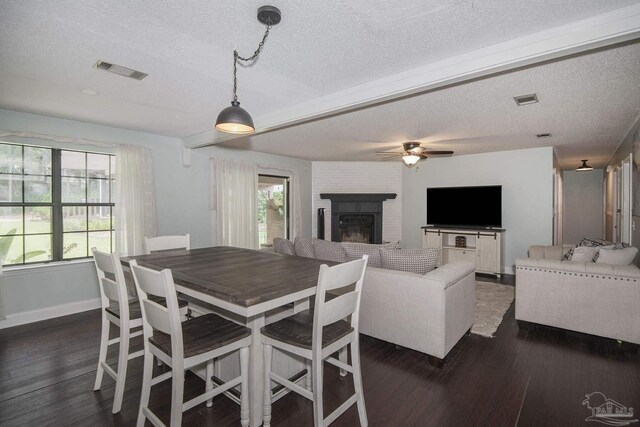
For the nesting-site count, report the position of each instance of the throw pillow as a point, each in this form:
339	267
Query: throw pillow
304	248
583	254
356	250
617	256
283	246
621	245
419	261
329	251
594	242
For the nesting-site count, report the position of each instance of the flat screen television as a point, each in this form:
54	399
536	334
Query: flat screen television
475	207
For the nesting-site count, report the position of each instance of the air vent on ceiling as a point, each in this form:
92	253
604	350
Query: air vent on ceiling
543	135
120	70
521	100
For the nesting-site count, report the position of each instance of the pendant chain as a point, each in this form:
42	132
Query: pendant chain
237	57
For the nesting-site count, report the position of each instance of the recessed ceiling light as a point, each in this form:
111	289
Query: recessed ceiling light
521	100
543	135
120	70
90	92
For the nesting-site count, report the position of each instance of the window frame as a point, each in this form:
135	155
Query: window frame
287	191
57	206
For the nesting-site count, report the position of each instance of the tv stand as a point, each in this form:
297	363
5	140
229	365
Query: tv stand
482	246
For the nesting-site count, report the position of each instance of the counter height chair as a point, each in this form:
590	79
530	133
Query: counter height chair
183	345
317	334
163	243
117	310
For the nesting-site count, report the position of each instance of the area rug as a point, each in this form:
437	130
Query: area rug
492	302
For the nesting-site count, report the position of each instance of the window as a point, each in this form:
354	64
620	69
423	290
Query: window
273	208
54	204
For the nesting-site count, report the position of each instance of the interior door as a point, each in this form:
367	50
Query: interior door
625	200
609	210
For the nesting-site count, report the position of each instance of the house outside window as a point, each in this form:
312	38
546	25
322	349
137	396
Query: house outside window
273	209
54	204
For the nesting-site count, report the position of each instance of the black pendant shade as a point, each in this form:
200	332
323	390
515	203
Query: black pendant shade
235	119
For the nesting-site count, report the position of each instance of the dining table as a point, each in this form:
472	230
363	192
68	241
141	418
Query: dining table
249	283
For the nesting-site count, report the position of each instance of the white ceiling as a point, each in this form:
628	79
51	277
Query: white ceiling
587	102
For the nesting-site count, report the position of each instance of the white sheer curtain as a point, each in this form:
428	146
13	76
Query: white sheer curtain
135	205
2	316
234	198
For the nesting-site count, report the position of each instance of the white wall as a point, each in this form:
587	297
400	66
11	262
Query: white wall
182	203
526	177
359	177
583	213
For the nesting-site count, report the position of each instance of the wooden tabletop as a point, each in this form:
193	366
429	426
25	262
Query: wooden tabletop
240	276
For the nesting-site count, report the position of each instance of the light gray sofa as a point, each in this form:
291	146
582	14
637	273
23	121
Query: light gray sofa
428	313
593	298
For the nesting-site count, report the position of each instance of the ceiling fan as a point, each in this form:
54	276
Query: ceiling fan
412	154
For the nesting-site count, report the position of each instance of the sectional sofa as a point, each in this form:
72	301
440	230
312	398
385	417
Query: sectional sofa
424	312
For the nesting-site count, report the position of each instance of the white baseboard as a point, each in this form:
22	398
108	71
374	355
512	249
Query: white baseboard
49	313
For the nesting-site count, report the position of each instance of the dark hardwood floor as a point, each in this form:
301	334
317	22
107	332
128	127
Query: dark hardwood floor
536	377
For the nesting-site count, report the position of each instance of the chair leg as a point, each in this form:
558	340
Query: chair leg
266	404
102	357
244	397
342	356
147	375
208	381
317	372
177	394
357	381
308	381
121	374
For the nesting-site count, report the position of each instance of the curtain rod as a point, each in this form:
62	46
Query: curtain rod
56	138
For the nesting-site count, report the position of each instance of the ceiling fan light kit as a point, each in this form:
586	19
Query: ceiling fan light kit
235	119
410	160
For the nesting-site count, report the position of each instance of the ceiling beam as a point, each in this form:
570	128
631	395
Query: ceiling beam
599	31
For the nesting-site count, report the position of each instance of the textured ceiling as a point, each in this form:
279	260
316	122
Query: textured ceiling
48	49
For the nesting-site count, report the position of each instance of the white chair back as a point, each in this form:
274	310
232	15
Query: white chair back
154	315
111	280
338	308
162	243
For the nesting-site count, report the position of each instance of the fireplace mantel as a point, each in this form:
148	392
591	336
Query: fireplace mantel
358	197
350	204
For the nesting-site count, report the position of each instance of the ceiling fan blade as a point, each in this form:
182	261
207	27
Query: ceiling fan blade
389	153
435	153
391	158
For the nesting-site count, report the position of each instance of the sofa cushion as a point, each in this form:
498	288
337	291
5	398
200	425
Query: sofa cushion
613	256
329	251
283	246
356	250
621	245
304	248
419	261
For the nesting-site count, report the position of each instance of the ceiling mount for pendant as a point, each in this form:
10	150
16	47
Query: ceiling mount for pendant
269	15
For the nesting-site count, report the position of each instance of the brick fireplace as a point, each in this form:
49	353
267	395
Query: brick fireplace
357	217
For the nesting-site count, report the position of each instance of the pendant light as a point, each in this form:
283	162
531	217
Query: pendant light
235	119
584	166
